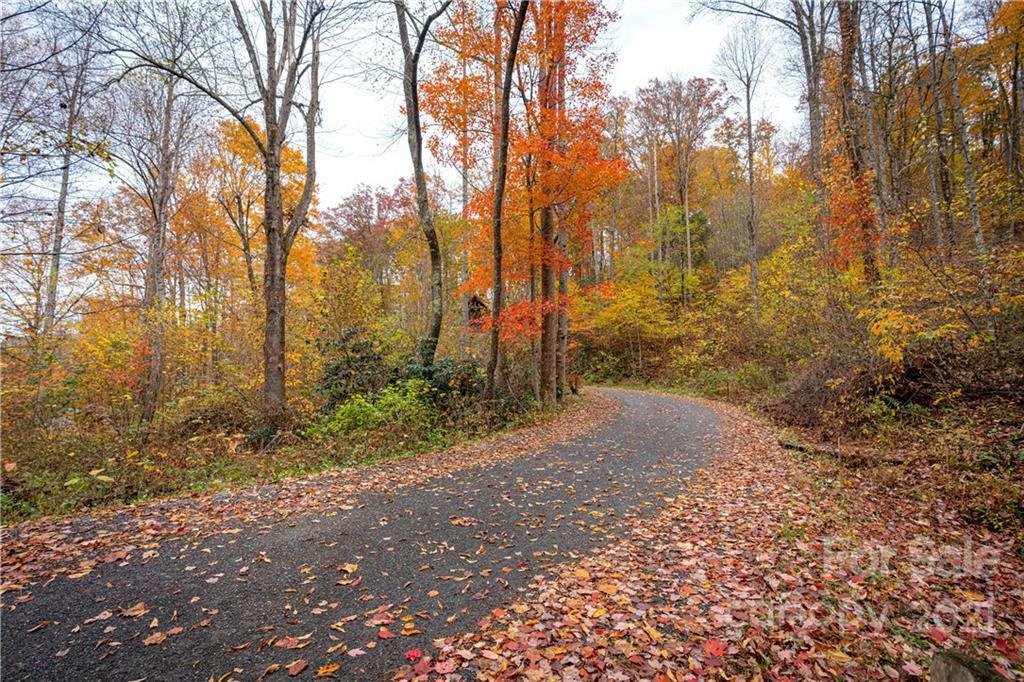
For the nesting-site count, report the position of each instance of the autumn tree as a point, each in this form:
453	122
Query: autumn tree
412	51
853	136
281	49
499	194
743	57
689	110
155	123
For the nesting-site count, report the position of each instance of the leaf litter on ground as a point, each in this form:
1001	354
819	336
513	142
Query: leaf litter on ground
768	565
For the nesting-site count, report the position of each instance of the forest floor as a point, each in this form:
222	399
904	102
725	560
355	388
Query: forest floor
638	536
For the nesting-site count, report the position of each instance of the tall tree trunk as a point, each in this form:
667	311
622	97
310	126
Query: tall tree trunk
751	217
688	273
657	217
72	113
562	353
534	357
410	80
57	241
464	172
1014	160
934	193
154	293
878	143
849	35
549	307
935	68
274	292
548	293
961	136
499	197
811	31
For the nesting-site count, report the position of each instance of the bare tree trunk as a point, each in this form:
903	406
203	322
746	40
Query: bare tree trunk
688	273
878	143
934	195
549	304
935	67
1014	160
961	136
548	294
811	26
499	198
751	217
464	271
71	83
464	255
534	358
411	55
657	217
562	354
274	291
57	242
154	295
849	34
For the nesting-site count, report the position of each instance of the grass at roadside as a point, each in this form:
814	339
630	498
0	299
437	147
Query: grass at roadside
83	471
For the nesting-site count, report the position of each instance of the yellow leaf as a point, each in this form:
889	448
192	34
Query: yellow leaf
328	670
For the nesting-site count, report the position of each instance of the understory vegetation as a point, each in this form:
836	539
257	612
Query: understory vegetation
368	407
189	302
913	366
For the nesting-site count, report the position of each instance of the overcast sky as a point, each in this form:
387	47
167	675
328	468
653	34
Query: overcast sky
652	39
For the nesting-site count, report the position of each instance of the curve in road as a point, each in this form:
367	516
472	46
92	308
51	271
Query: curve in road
360	586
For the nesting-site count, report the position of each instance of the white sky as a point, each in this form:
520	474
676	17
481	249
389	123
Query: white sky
652	39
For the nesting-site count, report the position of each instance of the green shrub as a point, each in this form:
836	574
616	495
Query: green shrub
404	406
355	364
451	385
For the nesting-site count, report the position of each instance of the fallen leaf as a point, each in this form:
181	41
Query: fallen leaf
135	611
328	669
103	615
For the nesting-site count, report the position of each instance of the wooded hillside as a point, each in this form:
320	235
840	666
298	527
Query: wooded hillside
184	307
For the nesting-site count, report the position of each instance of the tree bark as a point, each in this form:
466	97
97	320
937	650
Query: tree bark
935	68
499	197
934	194
154	294
548	247
751	217
961	136
849	36
410	80
57	242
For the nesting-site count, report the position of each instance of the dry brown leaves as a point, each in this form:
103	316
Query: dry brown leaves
74	547
766	566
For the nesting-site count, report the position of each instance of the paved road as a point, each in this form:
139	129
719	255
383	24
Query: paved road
427	561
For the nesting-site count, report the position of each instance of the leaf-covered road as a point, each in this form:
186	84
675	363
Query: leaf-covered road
353	585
